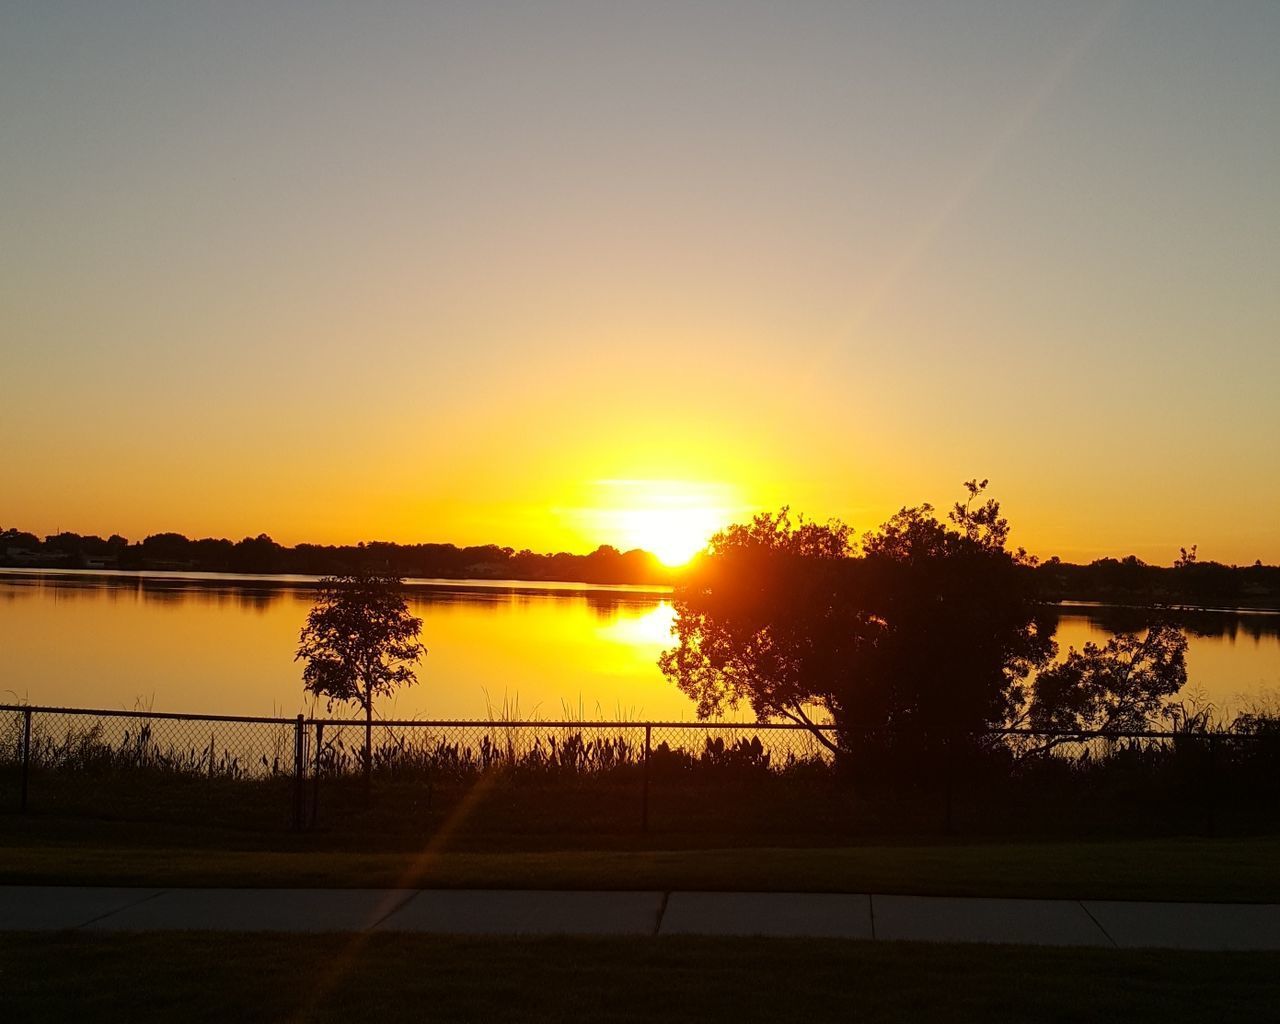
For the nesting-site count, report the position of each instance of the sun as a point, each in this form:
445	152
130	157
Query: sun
673	519
675	535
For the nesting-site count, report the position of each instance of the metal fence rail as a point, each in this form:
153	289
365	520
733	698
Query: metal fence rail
116	754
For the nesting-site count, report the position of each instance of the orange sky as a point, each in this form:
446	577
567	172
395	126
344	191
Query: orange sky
563	275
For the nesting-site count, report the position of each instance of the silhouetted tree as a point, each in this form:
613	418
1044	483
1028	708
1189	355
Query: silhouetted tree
360	642
19	539
166	547
765	617
1119	687
927	634
255	554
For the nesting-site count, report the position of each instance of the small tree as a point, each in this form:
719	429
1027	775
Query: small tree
359	642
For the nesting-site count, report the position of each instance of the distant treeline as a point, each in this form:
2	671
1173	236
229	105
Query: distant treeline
1189	581
262	555
1108	580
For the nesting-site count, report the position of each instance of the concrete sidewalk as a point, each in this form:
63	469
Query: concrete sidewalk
1200	926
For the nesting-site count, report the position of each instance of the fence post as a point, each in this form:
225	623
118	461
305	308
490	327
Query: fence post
644	798
315	776
299	770
26	757
948	770
1211	787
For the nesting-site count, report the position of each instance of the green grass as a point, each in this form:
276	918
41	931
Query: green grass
1226	870
199	977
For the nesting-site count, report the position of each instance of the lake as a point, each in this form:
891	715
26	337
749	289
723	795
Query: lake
224	645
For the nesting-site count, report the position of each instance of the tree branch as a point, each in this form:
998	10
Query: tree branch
800	718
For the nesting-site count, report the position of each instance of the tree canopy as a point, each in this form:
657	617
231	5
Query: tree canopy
926	629
359	643
1118	687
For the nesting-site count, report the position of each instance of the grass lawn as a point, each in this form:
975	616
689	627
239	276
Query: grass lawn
1234	869
198	977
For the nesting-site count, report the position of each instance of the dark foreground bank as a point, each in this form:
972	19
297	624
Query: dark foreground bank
198	977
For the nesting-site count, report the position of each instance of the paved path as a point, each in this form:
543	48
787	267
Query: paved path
1204	926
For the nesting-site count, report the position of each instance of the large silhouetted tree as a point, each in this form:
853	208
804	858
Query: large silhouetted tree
925	633
360	642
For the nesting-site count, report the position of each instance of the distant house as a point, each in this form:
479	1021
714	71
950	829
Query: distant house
486	571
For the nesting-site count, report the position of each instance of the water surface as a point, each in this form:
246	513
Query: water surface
225	646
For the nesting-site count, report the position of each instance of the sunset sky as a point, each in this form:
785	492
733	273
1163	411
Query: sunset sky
557	274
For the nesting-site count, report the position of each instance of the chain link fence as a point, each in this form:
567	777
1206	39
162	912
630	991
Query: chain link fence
591	777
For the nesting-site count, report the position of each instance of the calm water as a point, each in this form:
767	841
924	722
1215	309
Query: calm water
225	646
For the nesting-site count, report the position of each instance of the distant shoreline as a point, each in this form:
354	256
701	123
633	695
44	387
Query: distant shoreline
304	581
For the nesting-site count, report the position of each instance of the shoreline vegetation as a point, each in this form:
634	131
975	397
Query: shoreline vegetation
505	786
1189	583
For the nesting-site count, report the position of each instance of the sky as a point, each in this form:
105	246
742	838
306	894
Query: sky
554	274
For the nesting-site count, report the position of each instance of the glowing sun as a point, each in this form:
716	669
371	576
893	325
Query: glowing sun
674	519
673	534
